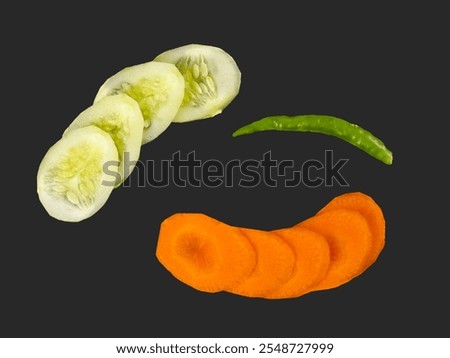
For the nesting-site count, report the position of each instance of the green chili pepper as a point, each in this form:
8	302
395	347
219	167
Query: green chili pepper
324	124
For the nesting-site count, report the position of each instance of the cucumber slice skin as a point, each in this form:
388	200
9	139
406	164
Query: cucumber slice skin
212	80
121	117
60	191
157	87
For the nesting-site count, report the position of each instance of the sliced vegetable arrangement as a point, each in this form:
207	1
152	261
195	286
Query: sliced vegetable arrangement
131	108
325	251
135	106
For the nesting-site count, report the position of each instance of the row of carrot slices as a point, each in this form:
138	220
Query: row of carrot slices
322	252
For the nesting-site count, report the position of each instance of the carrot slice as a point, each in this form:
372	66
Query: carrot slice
350	241
312	260
368	208
275	262
203	252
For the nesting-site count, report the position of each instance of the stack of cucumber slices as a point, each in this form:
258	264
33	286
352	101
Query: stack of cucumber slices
131	108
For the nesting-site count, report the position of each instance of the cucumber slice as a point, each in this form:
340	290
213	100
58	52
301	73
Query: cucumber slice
121	118
71	182
157	87
212	80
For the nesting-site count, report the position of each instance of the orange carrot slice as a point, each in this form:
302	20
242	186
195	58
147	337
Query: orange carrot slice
368	208
350	242
312	260
203	252
275	262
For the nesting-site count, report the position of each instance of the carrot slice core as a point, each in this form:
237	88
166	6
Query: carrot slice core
312	260
349	239
203	252
368	208
275	262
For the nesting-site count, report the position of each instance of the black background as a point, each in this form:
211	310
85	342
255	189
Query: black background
378	66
